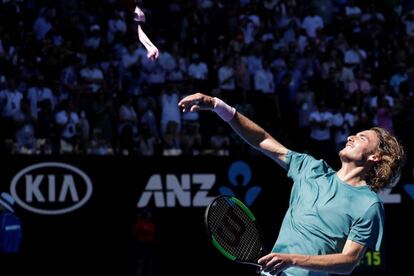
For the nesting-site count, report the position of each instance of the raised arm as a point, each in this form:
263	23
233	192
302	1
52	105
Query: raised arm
252	133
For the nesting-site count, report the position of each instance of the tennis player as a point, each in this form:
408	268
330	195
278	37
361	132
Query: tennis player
333	216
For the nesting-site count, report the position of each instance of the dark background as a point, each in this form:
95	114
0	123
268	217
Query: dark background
98	238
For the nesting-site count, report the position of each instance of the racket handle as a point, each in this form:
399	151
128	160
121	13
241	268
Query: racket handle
259	270
265	273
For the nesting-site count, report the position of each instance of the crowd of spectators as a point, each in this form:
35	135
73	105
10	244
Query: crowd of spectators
75	80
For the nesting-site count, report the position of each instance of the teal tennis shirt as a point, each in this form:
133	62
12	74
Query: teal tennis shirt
324	212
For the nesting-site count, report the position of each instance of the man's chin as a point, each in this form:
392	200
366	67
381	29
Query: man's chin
342	153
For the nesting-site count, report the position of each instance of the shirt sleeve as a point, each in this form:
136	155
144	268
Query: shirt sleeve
304	166
368	230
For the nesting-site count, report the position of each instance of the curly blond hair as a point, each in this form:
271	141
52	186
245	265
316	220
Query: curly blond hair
388	170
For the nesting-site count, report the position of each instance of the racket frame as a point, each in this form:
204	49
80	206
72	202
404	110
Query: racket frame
217	244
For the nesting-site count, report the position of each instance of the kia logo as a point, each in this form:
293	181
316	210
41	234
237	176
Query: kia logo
51	188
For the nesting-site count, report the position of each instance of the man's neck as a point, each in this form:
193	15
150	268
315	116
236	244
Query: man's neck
353	175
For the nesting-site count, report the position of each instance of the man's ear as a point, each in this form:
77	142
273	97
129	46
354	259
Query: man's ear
375	158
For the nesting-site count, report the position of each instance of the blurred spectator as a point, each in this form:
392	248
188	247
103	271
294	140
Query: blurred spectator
98	144
147	143
25	129
383	116
102	116
408	20
91	77
116	25
46	126
312	23
198	72
39	92
191	139
11	235
84	133
128	126
171	140
305	105
320	130
69	78
343	123
93	42
241	74
67	121
170	111
43	22
263	79
354	55
145	242
227	79
10	99
398	77
360	83
220	142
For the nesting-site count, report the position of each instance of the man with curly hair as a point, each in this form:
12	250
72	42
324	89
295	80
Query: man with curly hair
333	216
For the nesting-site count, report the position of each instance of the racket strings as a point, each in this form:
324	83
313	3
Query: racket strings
241	237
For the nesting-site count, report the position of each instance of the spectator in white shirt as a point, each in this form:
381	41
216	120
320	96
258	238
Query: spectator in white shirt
355	55
116	25
312	23
67	120
264	80
10	99
169	108
94	40
92	77
43	23
198	71
343	121
352	10
320	122
226	76
39	92
398	77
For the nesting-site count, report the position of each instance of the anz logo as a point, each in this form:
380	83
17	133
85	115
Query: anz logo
51	188
240	175
192	190
172	191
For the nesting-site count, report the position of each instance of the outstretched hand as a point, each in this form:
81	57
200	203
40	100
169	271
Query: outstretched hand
195	102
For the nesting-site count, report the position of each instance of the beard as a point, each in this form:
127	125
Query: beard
342	155
347	156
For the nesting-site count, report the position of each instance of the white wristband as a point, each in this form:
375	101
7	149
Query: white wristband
222	109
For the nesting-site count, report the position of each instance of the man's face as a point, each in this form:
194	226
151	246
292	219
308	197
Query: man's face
360	147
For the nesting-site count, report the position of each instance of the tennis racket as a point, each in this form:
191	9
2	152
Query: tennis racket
234	231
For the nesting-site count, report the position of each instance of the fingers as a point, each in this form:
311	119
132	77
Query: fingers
196	102
191	103
273	263
188	104
195	108
153	54
263	260
274	270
